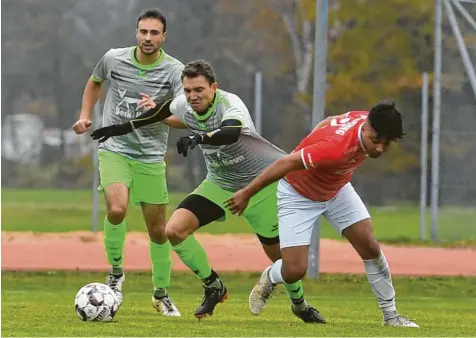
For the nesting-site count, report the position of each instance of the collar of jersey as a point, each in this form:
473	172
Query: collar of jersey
210	110
359	136
146	67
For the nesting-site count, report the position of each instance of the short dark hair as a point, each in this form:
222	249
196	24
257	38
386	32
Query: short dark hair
199	68
153	13
386	120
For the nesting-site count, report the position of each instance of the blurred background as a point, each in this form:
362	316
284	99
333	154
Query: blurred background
376	50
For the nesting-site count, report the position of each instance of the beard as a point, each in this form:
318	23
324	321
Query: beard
149	50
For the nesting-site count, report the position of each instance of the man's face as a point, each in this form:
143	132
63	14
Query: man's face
199	92
374	146
150	35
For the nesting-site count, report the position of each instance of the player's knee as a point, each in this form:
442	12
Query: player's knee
157	232
294	272
155	221
116	213
373	248
369	249
175	234
363	240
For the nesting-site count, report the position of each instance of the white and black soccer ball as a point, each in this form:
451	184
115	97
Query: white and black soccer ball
96	302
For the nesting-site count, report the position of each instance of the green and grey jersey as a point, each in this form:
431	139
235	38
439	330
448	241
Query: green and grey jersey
128	78
235	165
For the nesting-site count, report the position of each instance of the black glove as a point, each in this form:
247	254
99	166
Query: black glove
115	130
186	142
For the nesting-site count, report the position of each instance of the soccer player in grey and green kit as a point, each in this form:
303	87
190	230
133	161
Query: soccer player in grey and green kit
134	163
234	154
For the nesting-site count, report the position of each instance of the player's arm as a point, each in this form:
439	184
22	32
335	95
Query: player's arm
177	87
228	133
319	154
280	168
158	113
230	128
91	94
275	172
175	122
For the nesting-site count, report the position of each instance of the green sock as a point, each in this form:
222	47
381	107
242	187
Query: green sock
295	292
161	264
193	255
114	238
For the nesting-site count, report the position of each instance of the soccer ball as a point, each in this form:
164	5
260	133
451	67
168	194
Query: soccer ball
96	302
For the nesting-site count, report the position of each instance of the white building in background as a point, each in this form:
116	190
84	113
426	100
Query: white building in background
24	137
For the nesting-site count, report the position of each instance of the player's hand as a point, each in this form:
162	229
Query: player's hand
186	142
145	103
81	126
238	202
102	134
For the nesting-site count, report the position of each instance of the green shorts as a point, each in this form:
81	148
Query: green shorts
146	181
261	213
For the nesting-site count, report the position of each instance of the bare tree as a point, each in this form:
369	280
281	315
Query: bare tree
299	28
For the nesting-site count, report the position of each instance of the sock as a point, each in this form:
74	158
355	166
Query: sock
160	293
299	304
295	290
117	270
296	294
275	272
212	281
161	264
193	255
380	279
114	238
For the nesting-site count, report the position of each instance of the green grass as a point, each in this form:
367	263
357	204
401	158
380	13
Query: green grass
41	304
70	210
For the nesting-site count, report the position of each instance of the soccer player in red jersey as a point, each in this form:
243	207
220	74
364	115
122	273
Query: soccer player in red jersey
314	180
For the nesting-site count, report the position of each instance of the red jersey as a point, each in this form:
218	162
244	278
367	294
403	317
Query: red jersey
330	155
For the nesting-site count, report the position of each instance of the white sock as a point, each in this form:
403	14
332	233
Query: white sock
275	272
380	279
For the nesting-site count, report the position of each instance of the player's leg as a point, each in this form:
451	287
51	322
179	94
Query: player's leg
262	216
159	253
115	176
149	190
192	213
349	216
296	217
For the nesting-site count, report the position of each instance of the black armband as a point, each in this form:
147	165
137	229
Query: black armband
228	133
159	113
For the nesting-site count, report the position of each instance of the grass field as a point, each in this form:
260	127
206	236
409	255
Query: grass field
70	210
41	304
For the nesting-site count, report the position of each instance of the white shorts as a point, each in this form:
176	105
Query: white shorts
297	214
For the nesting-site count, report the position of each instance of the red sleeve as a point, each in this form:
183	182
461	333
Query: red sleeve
321	153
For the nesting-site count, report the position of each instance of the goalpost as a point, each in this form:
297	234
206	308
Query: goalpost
453	134
318	107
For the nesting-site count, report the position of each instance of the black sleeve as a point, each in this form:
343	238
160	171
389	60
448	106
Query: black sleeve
157	114
228	133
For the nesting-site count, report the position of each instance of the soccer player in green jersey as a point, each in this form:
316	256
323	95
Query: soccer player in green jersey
234	154
134	164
